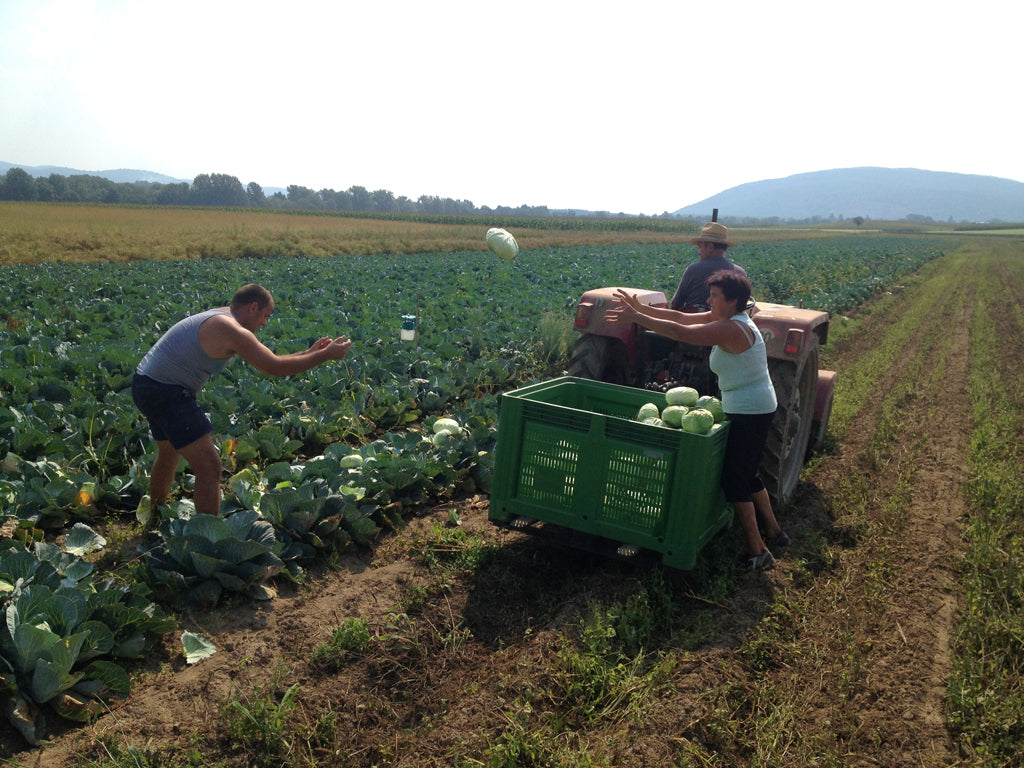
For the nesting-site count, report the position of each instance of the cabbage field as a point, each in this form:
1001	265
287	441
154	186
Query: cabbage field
74	333
74	451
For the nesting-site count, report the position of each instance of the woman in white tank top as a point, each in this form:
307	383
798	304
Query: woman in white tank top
739	359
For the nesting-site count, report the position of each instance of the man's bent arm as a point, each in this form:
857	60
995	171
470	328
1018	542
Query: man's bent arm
263	359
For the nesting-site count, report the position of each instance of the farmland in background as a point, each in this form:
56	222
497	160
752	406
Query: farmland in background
33	233
426	638
38	232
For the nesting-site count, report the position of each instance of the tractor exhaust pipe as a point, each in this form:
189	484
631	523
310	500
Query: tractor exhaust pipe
714	214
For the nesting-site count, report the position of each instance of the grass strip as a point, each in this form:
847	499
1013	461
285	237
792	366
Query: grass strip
822	643
986	694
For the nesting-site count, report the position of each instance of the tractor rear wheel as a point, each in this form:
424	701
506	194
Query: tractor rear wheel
795	387
600	358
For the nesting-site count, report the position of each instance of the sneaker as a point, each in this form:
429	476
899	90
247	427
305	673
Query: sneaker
780	542
763	562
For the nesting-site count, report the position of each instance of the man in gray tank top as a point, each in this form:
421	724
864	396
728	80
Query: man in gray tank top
173	371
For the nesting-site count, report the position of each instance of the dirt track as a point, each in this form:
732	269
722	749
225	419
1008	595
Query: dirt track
896	641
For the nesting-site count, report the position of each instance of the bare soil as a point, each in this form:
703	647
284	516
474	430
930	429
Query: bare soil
867	664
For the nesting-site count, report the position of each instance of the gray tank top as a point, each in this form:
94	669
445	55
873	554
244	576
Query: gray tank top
177	357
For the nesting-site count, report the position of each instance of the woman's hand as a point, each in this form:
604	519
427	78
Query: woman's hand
625	308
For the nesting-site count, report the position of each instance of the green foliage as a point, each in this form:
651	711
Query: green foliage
518	747
614	664
257	724
306	503
591	686
449	548
224	190
986	695
59	633
352	637
198	558
113	754
555	337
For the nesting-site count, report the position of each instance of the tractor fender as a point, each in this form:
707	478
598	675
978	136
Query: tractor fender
825	391
593	304
788	332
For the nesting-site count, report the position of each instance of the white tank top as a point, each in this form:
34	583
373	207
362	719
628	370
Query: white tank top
743	378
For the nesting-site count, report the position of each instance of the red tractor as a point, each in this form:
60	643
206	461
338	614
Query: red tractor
631	355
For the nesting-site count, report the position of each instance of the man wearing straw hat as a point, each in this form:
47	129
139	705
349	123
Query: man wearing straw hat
692	292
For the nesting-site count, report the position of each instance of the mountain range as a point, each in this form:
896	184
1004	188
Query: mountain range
118	176
842	193
872	193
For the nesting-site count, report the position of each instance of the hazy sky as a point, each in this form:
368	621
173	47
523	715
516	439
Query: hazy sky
640	107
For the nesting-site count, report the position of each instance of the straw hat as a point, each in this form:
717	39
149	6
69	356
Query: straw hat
713	232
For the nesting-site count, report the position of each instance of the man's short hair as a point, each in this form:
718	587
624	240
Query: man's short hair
247	294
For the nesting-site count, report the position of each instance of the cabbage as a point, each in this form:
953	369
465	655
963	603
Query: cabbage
648	411
682	396
451	425
144	512
713	404
10	464
698	421
352	461
673	414
442	437
502	243
654	421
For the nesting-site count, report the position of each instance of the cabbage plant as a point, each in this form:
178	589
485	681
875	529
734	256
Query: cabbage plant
198	558
314	506
60	631
311	523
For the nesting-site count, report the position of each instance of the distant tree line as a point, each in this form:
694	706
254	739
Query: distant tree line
221	190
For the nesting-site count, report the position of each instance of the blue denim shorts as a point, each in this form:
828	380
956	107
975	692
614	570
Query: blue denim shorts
173	412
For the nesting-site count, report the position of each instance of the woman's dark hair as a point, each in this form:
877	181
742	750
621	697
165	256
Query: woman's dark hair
247	294
733	285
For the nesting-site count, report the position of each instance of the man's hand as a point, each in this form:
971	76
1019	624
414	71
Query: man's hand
334	349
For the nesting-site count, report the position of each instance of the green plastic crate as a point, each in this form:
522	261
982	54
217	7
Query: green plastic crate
569	453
